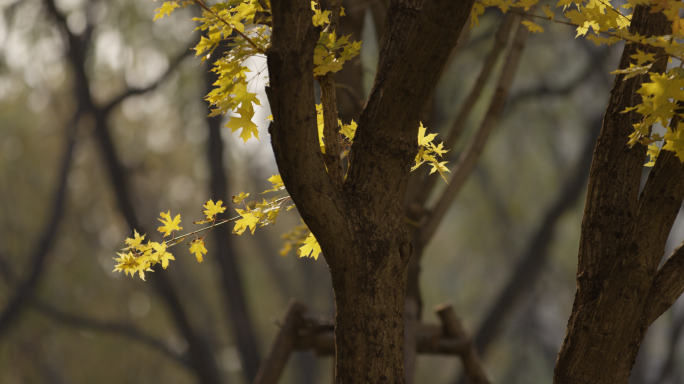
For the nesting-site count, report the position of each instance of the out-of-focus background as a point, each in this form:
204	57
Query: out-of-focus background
103	126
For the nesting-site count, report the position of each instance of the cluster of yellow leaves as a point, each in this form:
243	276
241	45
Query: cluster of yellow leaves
331	52
243	27
608	21
260	214
236	25
428	152
139	257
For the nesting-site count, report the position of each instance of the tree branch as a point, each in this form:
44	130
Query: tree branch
657	210
25	289
533	260
116	328
453	327
201	355
668	285
175	62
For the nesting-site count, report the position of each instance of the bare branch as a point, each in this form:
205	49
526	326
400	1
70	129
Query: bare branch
469	157
531	263
25	289
116	328
453	327
281	349
175	62
657	210
200	353
668	285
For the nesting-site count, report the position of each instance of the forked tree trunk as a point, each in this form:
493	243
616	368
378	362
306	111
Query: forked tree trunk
623	238
359	221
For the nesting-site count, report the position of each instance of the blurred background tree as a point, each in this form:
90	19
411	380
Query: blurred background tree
102	126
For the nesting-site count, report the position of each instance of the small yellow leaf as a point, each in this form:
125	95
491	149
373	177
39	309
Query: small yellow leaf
135	241
197	247
277	182
422	139
319	18
165	9
169	224
248	220
211	209
310	248
532	27
238	199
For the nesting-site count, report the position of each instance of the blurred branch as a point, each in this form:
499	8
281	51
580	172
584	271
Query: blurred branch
175	62
84	323
543	89
122	329
226	257
469	157
201	357
282	346
668	369
472	365
533	260
24	290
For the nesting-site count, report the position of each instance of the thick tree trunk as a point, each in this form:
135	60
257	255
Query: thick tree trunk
623	238
369	306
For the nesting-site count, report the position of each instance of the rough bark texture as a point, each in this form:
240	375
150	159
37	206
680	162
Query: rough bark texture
360	224
623	239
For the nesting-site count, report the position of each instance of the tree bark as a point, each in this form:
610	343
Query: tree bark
623	237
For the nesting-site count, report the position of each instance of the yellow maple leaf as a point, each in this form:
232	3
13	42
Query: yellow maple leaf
319	18
277	182
422	139
238	199
532	27
165	9
310	248
127	263
170	225
135	241
211	209
197	247
162	255
248	220
244	122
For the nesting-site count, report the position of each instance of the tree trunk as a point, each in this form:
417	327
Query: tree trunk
369	306
623	238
